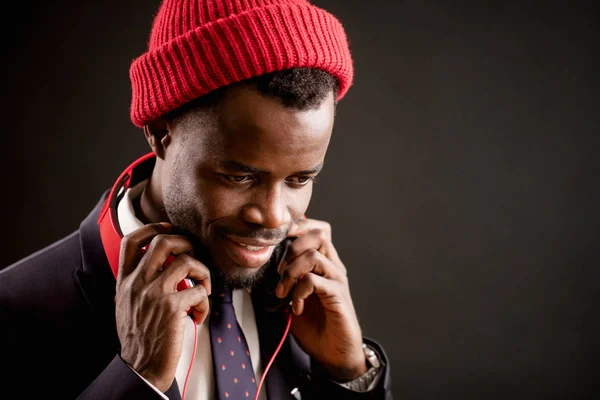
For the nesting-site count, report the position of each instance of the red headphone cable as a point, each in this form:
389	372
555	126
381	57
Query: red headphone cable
192	361
287	329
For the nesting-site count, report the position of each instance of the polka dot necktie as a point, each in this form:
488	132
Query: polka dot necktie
234	374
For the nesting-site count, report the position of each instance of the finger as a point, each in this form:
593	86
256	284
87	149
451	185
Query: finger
304	225
315	239
309	261
194	300
131	246
159	250
312	283
184	266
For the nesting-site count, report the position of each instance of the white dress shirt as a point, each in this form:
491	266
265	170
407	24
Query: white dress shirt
200	385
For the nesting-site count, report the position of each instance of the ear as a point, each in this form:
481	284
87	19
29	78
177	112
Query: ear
158	135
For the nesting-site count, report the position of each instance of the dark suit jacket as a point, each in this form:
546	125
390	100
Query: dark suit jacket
59	337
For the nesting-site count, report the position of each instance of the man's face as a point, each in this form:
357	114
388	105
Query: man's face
238	177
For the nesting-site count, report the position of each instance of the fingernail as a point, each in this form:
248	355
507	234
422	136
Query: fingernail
279	290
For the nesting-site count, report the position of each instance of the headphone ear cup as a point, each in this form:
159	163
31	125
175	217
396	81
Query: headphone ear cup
266	290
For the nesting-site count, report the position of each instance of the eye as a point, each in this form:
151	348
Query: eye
238	178
301	180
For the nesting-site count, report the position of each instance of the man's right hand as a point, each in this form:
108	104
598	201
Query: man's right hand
150	312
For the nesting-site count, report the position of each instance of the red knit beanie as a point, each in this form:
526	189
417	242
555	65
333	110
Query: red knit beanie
197	46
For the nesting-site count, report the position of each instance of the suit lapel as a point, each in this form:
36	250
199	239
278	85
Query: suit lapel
173	392
270	331
290	365
96	279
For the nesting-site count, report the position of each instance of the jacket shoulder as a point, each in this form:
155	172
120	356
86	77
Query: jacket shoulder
43	277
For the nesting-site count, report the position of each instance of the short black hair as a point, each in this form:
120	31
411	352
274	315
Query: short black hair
298	88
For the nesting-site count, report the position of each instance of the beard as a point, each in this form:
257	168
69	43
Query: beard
234	279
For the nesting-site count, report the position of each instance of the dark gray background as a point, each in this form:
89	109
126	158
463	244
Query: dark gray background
460	182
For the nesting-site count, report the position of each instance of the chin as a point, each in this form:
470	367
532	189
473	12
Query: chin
231	276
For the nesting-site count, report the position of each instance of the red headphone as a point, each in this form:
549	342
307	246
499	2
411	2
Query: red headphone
110	230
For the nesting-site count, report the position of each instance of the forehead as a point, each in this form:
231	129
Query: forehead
259	130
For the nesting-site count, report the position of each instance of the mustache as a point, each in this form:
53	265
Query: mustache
265	234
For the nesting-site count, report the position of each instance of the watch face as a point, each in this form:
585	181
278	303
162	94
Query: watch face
371	355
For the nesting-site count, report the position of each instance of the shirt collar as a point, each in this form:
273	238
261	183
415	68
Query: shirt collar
125	211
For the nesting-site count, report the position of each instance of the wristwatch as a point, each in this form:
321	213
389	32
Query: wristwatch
371	355
365	382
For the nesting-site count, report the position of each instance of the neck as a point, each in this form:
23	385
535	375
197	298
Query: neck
149	206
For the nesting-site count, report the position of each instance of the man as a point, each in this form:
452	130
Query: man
184	279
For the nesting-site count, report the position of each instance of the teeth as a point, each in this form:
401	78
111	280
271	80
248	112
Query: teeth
251	248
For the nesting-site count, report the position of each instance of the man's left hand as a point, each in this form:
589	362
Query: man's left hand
325	322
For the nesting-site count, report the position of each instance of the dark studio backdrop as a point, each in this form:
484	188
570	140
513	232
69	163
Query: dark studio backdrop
460	181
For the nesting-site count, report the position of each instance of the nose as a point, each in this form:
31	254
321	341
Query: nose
269	207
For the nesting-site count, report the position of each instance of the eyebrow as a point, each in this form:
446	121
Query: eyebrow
235	165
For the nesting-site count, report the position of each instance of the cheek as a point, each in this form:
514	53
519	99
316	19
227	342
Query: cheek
299	202
220	201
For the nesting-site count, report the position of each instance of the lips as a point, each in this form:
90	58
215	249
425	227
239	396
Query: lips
249	253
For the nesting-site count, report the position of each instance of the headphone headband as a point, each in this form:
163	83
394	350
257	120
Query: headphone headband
110	231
